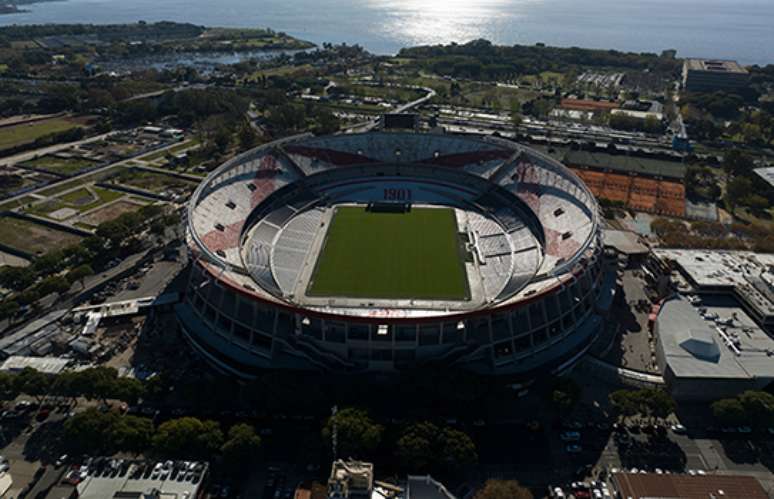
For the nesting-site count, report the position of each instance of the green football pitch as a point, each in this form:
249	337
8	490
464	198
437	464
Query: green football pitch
391	255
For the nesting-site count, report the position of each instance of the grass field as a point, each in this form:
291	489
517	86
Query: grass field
13	136
81	200
152	181
391	255
64	166
32	237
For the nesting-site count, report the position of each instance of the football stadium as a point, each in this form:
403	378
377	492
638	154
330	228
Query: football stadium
385	251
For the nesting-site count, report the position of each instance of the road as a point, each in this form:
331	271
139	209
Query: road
371	124
24	156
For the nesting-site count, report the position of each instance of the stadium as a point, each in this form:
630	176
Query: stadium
385	251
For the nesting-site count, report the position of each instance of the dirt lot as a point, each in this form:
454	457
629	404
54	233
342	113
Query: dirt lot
109	212
32	237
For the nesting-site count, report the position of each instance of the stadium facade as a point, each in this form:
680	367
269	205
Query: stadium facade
527	228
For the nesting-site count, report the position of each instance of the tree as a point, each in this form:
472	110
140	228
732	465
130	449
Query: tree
758	407
242	446
188	438
33	383
737	189
426	447
358	435
623	403
247	136
131	434
88	431
728	412
736	162
80	273
503	489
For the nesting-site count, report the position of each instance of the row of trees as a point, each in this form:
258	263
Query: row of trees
107	432
754	408
480	59
648	402
98	383
422	446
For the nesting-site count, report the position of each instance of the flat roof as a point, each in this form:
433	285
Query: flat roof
624	241
766	174
715	66
104	486
651	485
47	365
714	338
628	164
742	271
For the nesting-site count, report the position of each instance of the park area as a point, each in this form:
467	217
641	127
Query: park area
60	165
33	238
73	202
412	255
25	133
152	181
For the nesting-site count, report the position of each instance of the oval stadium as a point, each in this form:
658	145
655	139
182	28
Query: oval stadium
385	251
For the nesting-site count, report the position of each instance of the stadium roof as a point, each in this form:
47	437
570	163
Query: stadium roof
651	485
628	164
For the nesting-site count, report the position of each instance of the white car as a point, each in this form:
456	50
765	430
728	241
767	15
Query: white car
678	428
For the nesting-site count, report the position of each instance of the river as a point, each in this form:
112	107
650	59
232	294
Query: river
739	29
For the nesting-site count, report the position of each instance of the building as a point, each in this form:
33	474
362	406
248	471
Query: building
651	486
527	226
747	276
351	480
355	480
46	365
706	75
143	480
713	338
708	348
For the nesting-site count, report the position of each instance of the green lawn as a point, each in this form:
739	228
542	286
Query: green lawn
81	200
186	144
64	166
391	255
15	135
152	181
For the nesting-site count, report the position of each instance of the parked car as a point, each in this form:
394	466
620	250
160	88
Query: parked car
573	449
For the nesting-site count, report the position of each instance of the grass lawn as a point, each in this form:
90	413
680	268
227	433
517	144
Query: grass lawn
9	205
33	238
80	199
86	179
153	181
64	166
13	136
186	144
391	255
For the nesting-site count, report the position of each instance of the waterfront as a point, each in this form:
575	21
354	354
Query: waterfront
710	28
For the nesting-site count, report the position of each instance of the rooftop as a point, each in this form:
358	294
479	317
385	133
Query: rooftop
715	65
712	337
47	365
750	275
650	485
629	164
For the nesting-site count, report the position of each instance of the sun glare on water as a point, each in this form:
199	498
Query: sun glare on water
443	21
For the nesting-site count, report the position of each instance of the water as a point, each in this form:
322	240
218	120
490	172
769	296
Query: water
738	29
